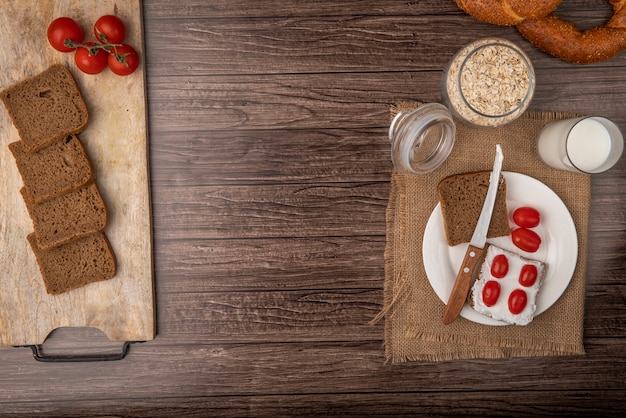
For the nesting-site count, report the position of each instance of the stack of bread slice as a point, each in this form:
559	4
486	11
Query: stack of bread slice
60	192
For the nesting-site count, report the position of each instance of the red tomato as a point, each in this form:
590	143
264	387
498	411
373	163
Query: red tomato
491	293
499	266
526	217
109	29
517	301
123	60
526	240
91	60
528	275
62	32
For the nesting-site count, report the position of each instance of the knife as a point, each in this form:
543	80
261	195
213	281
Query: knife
476	247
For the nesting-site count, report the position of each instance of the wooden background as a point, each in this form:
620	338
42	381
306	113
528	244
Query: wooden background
270	176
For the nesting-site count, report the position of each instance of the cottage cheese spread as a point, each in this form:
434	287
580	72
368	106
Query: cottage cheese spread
508	283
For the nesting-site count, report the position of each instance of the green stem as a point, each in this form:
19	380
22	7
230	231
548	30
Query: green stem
106	46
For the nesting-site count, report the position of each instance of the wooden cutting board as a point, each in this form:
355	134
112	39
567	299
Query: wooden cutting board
116	141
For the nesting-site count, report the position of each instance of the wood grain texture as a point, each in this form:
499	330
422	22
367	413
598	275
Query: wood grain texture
377	404
270	170
116	142
350	101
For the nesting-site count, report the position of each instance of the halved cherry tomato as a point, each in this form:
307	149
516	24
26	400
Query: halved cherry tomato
517	301
528	275
526	217
109	29
526	239
491	293
91	60
64	30
123	60
499	266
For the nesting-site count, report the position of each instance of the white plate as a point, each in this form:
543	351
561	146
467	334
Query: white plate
559	246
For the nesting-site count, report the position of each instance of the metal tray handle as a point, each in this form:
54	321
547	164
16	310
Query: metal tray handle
39	356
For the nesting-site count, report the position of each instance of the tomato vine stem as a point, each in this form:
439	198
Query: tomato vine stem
93	49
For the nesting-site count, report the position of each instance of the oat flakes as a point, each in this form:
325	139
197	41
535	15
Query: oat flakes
489	82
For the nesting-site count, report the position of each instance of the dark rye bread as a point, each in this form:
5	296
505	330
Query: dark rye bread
46	107
76	263
56	169
68	216
462	197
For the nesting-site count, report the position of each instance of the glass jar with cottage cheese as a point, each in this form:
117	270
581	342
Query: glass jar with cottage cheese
489	82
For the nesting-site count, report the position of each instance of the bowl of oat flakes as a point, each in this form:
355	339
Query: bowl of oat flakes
489	82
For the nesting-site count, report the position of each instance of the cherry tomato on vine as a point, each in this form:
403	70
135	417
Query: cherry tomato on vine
91	60
62	31
109	29
491	293
526	217
517	301
123	60
528	275
499	266
526	239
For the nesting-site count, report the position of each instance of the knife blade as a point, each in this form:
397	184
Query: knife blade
476	247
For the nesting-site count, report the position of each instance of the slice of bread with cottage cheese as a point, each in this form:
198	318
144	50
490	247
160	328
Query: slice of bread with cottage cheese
522	280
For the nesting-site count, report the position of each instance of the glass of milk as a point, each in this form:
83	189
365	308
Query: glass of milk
591	144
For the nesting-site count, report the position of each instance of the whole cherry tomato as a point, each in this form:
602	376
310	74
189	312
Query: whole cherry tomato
123	60
91	60
491	293
526	217
109	29
499	266
62	31
526	239
528	275
517	301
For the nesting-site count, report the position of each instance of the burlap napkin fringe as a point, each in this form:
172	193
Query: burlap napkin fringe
473	354
548	116
535	346
393	294
531	115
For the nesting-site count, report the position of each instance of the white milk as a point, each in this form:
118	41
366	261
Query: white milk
551	145
591	144
588	145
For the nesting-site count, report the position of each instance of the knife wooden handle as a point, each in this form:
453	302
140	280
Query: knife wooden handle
461	288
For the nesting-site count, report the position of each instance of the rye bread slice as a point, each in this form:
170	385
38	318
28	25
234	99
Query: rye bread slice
76	263
46	107
68	216
56	169
462	197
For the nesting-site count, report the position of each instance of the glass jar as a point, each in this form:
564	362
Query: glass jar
421	139
489	82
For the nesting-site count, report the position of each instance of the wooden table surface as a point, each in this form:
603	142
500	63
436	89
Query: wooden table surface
270	175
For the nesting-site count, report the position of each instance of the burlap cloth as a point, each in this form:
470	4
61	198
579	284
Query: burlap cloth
412	311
